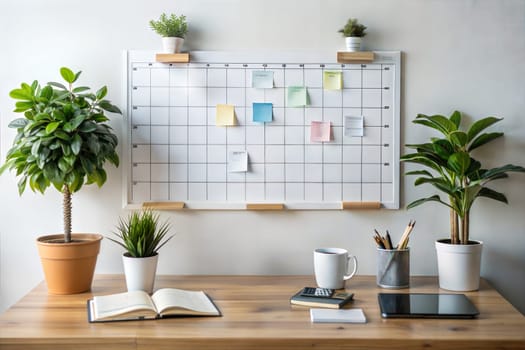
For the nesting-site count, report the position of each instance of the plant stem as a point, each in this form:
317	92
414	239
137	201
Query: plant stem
67	213
465	223
454	229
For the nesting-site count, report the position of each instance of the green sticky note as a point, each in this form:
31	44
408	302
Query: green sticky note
297	96
332	80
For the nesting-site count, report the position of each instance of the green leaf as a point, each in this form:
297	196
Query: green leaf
18	123
107	106
63	165
21	94
76	144
102	92
456	118
458	138
67	74
88	127
51	127
434	198
438	122
47	92
22	106
483	139
480	125
489	193
35	148
80	89
459	162
58	85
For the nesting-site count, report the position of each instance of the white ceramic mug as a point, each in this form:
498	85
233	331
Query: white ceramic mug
331	267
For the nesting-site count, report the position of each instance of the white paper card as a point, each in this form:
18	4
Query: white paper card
237	161
354	126
337	316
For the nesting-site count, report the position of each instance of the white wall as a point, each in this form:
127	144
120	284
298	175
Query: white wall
457	54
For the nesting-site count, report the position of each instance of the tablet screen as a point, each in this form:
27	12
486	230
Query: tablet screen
426	305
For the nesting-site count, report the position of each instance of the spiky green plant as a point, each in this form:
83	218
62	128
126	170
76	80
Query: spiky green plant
141	234
454	171
353	28
63	139
172	26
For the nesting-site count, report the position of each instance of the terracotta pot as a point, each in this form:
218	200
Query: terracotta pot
69	267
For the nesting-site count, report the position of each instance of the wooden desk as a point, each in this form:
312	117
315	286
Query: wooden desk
257	315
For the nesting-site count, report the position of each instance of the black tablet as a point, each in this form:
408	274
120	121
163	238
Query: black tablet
420	305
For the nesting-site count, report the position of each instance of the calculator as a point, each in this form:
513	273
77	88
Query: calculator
317	292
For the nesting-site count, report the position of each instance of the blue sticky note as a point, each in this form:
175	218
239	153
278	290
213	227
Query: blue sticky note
262	112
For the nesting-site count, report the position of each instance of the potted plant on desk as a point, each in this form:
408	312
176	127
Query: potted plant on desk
453	171
353	31
63	140
141	235
173	29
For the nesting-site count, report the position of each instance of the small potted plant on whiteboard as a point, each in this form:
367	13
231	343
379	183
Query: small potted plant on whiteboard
353	31
141	234
173	29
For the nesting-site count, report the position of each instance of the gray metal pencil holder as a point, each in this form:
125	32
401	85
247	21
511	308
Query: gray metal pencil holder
393	268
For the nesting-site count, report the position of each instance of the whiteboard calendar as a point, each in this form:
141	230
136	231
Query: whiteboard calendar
230	128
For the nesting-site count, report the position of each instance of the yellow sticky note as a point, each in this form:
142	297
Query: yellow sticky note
225	115
332	80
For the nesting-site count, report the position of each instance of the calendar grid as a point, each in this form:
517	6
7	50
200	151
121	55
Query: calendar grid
178	153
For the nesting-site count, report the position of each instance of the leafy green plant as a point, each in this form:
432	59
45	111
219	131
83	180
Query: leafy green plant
172	26
63	139
353	28
454	171
141	234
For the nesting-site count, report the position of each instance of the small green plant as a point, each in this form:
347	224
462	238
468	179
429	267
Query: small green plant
353	28
141	234
63	139
172	26
454	171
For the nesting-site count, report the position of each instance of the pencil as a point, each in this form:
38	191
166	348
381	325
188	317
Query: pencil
404	238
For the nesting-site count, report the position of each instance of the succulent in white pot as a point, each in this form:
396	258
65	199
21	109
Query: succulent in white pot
173	29
353	31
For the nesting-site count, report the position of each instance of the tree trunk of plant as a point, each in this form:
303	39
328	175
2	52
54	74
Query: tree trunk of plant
465	223
454	229
67	213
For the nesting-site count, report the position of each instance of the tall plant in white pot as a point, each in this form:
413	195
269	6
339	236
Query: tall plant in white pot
141	234
63	141
453	171
172	29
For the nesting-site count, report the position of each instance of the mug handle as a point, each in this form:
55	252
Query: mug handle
347	277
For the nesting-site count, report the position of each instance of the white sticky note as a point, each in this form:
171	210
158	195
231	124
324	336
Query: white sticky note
337	316
237	161
354	126
262	79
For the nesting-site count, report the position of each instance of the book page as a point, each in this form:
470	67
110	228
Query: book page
182	302
123	305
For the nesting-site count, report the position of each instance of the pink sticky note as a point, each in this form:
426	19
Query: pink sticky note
320	131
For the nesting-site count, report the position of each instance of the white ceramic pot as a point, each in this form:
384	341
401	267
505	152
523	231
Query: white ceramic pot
140	272
459	265
172	44
353	43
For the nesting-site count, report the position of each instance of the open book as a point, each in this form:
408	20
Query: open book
137	305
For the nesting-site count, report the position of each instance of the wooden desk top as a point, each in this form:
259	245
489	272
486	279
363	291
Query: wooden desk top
256	315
